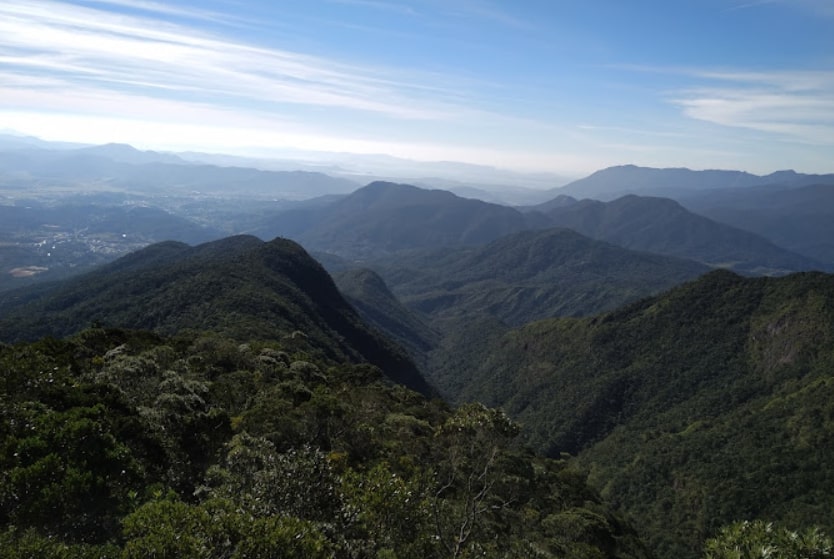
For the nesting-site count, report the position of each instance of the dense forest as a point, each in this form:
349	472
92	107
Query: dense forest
706	404
261	418
128	444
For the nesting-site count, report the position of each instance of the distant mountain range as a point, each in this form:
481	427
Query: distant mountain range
385	218
124	168
663	226
382	218
800	219
474	181
11	140
614	182
125	153
793	210
395	217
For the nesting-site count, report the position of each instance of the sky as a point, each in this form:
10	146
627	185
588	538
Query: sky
562	86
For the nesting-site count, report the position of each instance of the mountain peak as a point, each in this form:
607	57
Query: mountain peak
386	185
383	195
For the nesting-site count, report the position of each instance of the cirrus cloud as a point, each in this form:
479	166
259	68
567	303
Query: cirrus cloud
796	105
118	53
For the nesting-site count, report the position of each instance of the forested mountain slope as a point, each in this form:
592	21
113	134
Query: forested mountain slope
530	275
710	403
470	297
239	286
369	294
129	445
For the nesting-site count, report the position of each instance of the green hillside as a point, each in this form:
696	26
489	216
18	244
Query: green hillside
369	294
119	444
257	416
471	296
240	287
530	275
708	404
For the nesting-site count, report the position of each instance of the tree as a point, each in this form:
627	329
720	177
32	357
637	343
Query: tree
763	540
66	473
394	511
265	482
468	480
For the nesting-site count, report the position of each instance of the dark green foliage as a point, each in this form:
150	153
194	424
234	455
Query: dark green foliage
240	287
127	444
367	292
753	540
690	410
29	544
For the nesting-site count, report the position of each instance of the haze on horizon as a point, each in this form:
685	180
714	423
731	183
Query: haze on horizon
534	85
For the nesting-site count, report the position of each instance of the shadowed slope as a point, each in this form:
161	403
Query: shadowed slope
239	286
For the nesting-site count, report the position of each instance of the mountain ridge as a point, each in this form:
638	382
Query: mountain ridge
238	286
541	261
382	218
664	226
613	182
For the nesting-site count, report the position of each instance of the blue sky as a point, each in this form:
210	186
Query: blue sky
567	86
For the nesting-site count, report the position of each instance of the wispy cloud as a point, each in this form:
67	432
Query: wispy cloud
750	4
823	8
487	10
168	9
795	105
79	72
396	7
118	53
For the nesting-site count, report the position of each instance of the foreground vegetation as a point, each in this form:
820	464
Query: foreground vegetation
127	444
